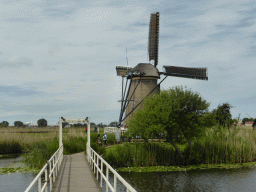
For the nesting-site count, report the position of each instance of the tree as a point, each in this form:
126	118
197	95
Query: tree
64	124
223	115
100	125
4	123
173	111
92	124
42	123
113	124
18	124
209	119
78	125
234	122
247	119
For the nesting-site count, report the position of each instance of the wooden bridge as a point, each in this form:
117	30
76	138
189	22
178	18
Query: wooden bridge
77	172
76	175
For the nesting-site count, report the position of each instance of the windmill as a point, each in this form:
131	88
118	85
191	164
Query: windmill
143	77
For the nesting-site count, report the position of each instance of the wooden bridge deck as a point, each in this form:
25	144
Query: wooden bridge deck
76	175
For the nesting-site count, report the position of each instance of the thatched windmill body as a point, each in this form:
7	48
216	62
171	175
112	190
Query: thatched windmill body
143	77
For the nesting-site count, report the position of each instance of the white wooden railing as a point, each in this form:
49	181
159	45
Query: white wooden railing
50	170
96	161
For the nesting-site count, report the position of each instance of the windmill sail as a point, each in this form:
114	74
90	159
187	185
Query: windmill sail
143	77
187	72
153	38
122	70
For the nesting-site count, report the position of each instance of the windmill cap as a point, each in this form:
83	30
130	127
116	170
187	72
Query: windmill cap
147	68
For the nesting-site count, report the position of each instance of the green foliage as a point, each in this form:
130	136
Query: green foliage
113	124
74	144
18	124
175	111
209	119
4	124
38	154
92	124
64	124
141	154
41	152
100	149
247	119
223	115
42	123
100	125
221	147
215	147
111	138
11	147
78	125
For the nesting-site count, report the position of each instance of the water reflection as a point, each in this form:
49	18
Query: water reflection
15	181
12	162
242	179
197	180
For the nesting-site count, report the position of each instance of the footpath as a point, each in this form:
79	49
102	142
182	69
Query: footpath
76	175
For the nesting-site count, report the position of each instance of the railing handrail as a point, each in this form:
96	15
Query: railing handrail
126	184
36	178
44	168
113	170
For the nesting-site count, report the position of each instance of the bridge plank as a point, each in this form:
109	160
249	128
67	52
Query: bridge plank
75	175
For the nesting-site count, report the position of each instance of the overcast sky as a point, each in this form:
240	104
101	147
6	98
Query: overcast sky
58	58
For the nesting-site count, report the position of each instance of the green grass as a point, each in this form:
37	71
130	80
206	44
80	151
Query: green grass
40	152
216	146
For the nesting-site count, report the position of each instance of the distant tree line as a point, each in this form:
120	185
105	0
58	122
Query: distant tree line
43	123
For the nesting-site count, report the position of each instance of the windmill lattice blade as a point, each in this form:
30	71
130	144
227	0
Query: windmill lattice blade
122	70
187	72
153	38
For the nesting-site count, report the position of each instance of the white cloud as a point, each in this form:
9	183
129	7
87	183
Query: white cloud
67	52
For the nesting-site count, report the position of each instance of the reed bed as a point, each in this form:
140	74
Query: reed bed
217	146
223	146
141	155
11	141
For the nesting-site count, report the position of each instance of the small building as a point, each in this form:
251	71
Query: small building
249	123
53	126
238	123
113	129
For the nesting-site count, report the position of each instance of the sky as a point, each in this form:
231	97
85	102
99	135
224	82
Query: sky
58	58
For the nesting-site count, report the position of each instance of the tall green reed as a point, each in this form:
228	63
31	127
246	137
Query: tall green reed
224	146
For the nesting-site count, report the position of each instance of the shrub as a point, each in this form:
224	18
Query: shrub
10	147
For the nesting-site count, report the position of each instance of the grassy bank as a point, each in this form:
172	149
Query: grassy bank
40	152
186	168
217	146
20	142
37	148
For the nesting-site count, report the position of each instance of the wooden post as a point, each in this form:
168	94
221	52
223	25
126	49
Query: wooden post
97	168
115	183
60	133
107	179
39	184
101	169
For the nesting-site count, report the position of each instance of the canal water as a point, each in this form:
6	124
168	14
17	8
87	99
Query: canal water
15	181
242	179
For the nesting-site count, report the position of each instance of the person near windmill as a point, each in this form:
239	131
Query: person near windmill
254	124
105	137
